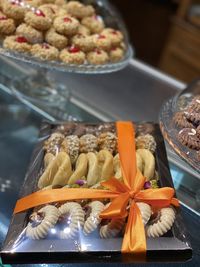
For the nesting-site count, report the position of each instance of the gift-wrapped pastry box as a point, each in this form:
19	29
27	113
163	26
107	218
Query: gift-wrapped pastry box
95	193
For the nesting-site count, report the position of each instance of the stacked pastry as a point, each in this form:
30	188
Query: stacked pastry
59	30
86	161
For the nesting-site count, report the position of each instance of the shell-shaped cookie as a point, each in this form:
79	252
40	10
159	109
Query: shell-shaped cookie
81	169
148	161
74	221
145	211
105	164
71	146
162	224
88	143
93	220
42	221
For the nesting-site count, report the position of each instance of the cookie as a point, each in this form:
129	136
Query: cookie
195	104
146	141
115	36
51	9
72	55
13	9
102	42
88	143
17	43
33	3
188	137
78	10
39	19
7	25
198	132
32	35
83	42
107	141
116	54
83	30
66	25
95	23
55	39
180	120
97	57
71	146
45	51
53	144
192	116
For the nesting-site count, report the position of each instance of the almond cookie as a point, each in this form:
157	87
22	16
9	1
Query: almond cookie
32	35
188	137
115	36
97	57
116	54
7	26
53	144
55	39
83	42
146	141
95	23
180	120
71	146
66	25
42	221
88	143
72	55
45	51
102	42
13	9
38	19
108	141
17	43
78	10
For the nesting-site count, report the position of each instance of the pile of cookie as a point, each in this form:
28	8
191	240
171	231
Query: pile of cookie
85	159
187	122
58	30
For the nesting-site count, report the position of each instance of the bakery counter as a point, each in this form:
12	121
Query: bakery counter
135	93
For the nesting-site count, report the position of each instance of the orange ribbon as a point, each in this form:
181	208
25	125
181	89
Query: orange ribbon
123	195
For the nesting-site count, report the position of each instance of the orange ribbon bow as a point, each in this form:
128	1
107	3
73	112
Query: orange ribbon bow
123	195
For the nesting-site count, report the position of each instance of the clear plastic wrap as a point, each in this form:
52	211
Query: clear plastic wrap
78	36
83	158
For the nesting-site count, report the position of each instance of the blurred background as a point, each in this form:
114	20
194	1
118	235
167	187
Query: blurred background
165	34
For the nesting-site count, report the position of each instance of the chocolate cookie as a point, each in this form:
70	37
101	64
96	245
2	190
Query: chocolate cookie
198	132
195	104
188	137
181	121
192	116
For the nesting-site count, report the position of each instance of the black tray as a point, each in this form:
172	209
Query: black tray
172	247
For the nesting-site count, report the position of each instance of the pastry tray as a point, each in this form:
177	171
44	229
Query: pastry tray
173	246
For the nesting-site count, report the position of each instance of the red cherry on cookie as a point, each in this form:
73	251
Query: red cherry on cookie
39	13
45	46
3	18
74	49
67	19
21	39
98	52
114	32
101	36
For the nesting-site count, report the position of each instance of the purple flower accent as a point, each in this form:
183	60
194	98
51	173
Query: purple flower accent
80	182
147	185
